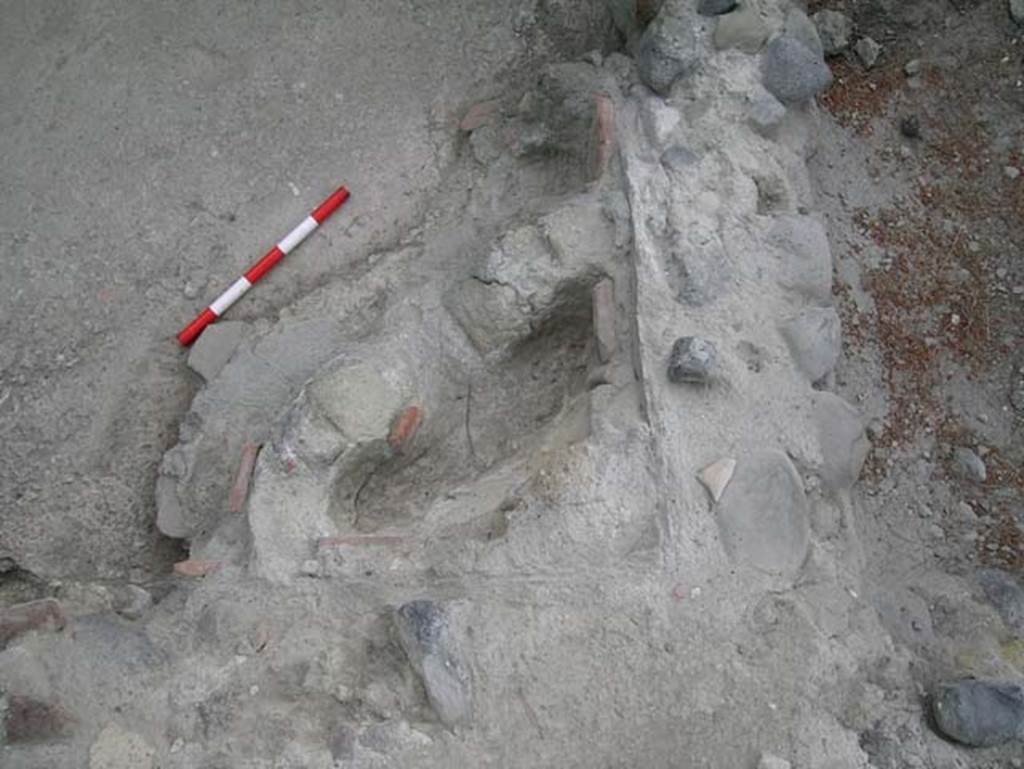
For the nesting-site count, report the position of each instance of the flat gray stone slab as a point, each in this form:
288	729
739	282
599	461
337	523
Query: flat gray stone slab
763	514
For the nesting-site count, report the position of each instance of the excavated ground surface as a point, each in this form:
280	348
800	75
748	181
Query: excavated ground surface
434	500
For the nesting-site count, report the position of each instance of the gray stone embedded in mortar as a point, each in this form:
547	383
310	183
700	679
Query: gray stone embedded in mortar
692	360
980	713
668	49
744	29
814	338
763	515
793	72
715	7
799	27
426	636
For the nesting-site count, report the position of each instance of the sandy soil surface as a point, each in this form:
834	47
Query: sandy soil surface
149	155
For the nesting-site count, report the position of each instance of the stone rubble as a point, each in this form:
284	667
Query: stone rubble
477	526
867	51
834	30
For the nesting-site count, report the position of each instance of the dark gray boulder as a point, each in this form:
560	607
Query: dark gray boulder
980	713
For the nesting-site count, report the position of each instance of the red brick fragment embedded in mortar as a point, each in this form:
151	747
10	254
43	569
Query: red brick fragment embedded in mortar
404	429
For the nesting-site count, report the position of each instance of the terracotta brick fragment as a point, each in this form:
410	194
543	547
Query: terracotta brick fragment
196	568
604	134
478	114
404	429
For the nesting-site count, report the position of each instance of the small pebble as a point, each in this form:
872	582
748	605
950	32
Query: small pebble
910	127
132	601
191	291
1012	172
912	67
966	512
867	51
969	465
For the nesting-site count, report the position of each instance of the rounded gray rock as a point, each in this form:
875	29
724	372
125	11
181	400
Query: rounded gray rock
800	245
814	338
692	360
792	72
980	713
667	51
844	445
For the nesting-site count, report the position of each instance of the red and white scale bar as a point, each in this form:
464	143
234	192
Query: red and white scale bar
220	305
